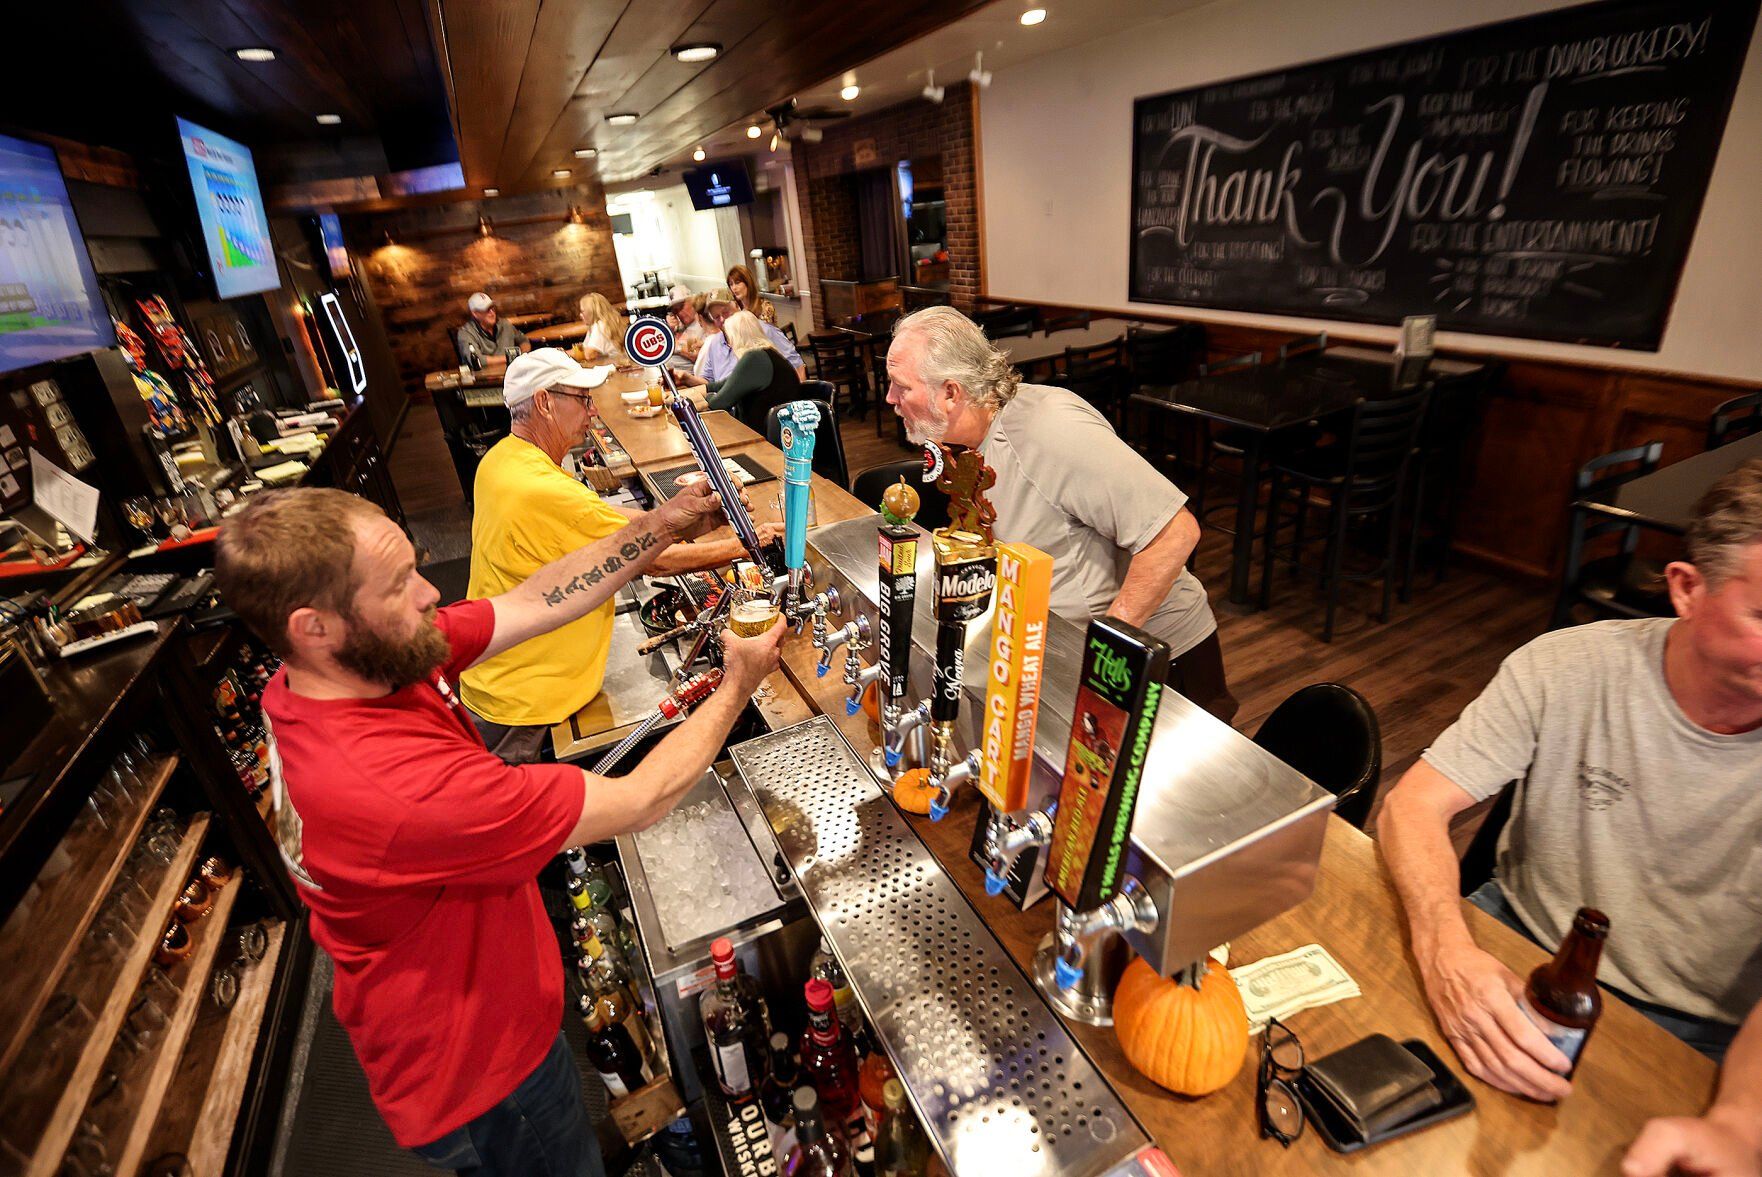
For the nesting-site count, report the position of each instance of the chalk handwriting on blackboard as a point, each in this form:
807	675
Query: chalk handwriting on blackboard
1539	177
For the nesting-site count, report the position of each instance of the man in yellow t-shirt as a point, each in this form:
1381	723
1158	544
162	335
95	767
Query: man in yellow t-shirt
528	513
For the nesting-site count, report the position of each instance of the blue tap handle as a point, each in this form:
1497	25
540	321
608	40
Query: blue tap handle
820	670
994	883
799	420
892	756
937	812
1066	976
852	706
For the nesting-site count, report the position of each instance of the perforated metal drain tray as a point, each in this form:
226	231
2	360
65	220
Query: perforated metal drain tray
998	1082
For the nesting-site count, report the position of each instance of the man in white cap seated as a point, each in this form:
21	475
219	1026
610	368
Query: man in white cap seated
687	324
487	334
528	512
717	359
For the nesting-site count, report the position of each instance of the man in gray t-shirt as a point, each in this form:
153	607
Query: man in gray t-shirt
1635	749
1118	532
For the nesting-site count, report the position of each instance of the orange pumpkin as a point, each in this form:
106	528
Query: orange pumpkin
912	791
1191	1041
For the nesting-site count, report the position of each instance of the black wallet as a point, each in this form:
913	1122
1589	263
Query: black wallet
1374	1086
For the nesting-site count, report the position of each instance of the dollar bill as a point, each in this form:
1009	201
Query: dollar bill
1279	986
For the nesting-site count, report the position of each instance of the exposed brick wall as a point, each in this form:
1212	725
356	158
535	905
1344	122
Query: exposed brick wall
915	129
438	260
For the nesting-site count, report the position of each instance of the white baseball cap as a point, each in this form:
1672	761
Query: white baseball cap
479	302
547	367
678	294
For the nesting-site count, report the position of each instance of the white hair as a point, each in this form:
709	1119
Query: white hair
745	333
956	350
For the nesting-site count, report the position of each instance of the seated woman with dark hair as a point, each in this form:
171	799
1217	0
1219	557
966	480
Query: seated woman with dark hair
761	379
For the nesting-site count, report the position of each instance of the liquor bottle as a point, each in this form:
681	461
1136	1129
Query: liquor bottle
598	962
825	966
599	887
579	899
736	1025
901	1148
1561	997
872	1084
827	1058
619	1008
778	1092
819	1149
621	1065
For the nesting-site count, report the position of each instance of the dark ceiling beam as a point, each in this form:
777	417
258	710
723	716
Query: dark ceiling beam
565	43
488	47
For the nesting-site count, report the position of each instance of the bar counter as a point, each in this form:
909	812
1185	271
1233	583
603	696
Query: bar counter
1631	1070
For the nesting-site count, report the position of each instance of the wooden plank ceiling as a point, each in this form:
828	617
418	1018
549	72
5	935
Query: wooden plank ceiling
530	81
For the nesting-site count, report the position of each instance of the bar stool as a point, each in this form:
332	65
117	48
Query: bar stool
1620	585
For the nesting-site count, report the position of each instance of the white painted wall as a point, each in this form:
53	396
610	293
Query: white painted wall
1056	151
670	235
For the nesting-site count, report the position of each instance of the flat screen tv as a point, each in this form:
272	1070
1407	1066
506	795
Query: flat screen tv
49	302
330	231
719	184
235	229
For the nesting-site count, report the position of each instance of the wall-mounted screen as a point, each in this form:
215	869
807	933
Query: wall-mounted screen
330	231
49	302
235	229
720	184
345	343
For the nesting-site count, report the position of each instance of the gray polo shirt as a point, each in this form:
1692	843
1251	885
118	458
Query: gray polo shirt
1626	805
472	335
1068	485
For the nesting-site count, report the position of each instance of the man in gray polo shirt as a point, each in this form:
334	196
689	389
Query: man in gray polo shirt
1635	748
1119	533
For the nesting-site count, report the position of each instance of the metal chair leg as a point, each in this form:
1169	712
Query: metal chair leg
1331	567
1269	550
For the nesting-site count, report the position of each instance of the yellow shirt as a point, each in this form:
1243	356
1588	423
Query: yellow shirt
528	513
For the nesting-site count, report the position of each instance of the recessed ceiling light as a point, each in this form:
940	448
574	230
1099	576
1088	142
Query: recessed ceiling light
492	191
692	54
1033	16
698	155
255	54
849	93
560	173
586	152
623	119
329	120
753	131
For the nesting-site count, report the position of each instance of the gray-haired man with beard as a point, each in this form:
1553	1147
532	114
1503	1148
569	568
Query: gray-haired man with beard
1119	533
416	848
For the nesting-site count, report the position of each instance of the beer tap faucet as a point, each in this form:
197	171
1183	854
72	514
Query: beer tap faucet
1007	838
912	725
1074	933
855	634
859	679
823	605
944	776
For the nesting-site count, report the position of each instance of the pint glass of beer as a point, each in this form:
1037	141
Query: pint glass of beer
752	616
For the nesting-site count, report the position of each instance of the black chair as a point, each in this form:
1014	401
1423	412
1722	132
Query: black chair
1097	373
1303	345
1623	584
1328	732
1157	359
1738	417
788	330
1040	371
1453	417
1005	321
1052	320
828	460
1224	443
836	361
870	484
1365	479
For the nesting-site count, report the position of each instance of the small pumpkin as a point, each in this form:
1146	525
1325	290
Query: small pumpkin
912	791
1191	1041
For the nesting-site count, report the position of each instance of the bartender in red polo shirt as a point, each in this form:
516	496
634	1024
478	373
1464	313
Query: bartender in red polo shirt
417	849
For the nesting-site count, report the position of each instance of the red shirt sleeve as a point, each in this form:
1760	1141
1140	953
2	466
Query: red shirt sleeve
480	820
469	625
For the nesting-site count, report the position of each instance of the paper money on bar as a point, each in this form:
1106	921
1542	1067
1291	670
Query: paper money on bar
1279	986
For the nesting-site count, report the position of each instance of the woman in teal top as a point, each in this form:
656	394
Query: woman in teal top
761	379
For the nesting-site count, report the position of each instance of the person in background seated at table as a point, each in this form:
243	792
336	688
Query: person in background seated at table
1727	1140
528	513
716	360
1636	748
605	328
1119	533
487	335
746	295
760	380
688	327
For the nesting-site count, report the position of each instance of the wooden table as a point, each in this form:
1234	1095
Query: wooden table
651	440
532	319
1632	1070
1666	498
571	331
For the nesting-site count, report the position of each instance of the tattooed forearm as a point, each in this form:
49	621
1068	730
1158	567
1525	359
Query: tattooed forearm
631	549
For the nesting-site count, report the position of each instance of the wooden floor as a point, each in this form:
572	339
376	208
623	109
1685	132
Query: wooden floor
1418	671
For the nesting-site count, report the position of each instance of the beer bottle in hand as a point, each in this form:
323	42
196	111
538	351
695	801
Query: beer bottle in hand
1561	997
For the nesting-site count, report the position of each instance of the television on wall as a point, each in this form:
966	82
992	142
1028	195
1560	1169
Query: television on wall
720	184
235	229
336	255
50	307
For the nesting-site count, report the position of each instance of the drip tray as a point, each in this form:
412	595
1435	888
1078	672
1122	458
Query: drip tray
994	1075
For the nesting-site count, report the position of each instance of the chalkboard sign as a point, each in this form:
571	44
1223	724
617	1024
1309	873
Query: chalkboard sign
1540	177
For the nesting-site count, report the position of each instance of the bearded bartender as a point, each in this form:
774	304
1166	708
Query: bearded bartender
416	848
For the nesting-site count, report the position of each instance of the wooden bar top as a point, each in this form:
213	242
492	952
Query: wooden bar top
1631	1071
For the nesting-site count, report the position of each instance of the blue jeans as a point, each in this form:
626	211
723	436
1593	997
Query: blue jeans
1711	1038
540	1130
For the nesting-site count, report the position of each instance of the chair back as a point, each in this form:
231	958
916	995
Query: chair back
788	330
1163	357
1233	364
1303	345
1380	442
1053	320
1328	732
869	485
1005	321
1097	357
1738	417
828	444
1597	481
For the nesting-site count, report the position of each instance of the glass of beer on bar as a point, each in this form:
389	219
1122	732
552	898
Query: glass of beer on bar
752	615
